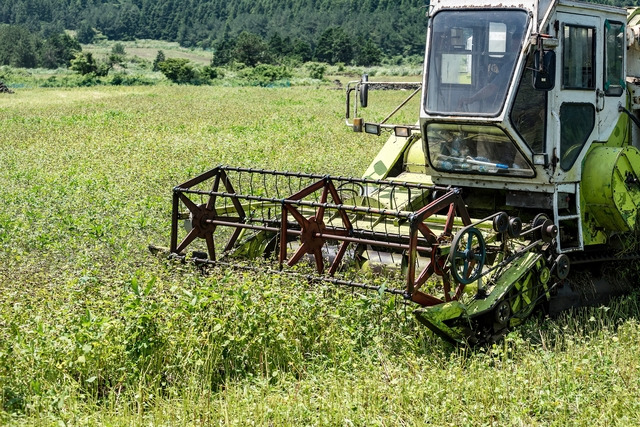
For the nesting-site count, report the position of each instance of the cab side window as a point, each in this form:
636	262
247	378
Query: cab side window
614	83
578	62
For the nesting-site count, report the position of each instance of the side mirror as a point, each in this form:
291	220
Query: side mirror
544	70
364	91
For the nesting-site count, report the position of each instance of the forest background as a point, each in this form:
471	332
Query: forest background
48	33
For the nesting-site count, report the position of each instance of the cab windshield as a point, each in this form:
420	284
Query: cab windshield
474	149
472	58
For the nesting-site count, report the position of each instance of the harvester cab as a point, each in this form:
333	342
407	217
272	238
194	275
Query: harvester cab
520	103
518	185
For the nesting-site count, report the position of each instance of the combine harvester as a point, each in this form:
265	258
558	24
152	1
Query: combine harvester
519	186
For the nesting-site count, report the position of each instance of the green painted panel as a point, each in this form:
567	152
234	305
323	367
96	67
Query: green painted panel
611	187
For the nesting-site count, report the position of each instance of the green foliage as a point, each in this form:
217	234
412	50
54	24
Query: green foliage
302	51
316	71
278	46
104	68
85	33
123	79
250	49
115	59
118	49
265	74
367	53
20	48
334	46
223	52
178	70
58	50
290	28
159	58
86	65
211	72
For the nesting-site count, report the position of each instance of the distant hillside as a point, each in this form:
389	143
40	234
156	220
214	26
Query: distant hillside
397	27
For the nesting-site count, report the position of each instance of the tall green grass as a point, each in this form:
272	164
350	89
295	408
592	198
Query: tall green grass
94	330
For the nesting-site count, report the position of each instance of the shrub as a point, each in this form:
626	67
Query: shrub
264	74
117	79
123	79
178	70
211	72
118	49
84	64
316	70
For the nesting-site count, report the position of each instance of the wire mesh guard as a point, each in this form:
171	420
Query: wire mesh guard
336	223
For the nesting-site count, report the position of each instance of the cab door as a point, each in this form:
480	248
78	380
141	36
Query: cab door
577	101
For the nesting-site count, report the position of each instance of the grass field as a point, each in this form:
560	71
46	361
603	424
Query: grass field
96	331
148	50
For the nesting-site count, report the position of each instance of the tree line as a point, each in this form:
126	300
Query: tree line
395	27
21	48
333	46
246	31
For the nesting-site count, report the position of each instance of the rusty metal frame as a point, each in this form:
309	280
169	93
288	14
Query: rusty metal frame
312	231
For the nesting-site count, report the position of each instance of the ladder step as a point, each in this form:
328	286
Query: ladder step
575	217
565	217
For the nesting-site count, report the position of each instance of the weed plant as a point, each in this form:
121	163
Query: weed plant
94	330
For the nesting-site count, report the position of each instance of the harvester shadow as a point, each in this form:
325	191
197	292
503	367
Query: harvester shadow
558	330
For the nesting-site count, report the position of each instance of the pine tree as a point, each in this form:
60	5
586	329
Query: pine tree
251	50
159	58
368	53
85	33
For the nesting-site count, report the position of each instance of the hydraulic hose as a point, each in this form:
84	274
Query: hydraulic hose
630	114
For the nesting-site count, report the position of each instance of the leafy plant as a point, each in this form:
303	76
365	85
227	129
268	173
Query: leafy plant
250	49
178	70
118	49
265	74
85	64
212	72
316	70
159	58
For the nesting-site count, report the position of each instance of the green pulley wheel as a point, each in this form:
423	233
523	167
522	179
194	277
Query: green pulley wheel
468	252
